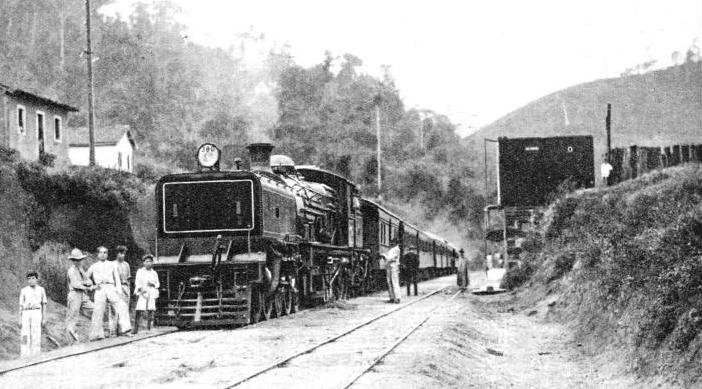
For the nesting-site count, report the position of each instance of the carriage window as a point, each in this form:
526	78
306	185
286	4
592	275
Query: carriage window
277	212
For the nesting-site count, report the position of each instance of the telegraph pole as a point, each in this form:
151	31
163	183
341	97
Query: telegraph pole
608	128
91	102
377	135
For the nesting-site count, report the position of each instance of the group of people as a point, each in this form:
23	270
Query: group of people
109	282
408	266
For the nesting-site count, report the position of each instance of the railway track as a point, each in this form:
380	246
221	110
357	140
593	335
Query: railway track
111	359
358	373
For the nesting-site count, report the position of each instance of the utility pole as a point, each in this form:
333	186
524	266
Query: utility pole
608	127
377	135
91	102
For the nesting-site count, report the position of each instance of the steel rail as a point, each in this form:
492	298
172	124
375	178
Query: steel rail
394	345
310	349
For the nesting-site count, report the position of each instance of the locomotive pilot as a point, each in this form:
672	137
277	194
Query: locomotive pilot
392	270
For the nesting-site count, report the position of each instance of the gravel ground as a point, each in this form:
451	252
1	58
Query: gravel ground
469	342
205	358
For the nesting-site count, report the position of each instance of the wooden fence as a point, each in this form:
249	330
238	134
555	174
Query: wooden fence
631	162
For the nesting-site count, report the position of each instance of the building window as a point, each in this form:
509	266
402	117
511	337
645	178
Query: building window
119	160
57	128
40	125
21	119
129	157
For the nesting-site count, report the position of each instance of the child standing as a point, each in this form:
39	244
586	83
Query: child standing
31	306
146	288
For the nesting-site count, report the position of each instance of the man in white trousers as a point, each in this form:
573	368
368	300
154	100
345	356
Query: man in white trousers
104	275
392	270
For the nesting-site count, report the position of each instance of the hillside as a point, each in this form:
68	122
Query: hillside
659	108
623	267
43	215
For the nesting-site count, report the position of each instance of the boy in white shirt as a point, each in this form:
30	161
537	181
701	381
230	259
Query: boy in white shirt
32	302
146	288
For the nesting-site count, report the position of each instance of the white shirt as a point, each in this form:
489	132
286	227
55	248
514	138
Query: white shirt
393	254
103	272
605	169
141	283
32	297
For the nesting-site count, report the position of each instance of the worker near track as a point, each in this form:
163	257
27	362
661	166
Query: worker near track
409	267
462	272
392	270
106	279
78	287
32	302
146	289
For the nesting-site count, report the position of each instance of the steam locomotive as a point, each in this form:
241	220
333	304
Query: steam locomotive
237	247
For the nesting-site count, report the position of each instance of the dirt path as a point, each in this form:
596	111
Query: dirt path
470	342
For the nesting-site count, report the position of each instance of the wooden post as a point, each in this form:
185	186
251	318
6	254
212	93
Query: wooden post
377	134
91	102
608	127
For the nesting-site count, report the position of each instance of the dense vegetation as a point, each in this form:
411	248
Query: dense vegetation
176	94
628	260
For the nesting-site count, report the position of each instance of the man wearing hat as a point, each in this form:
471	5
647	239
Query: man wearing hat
78	287
392	270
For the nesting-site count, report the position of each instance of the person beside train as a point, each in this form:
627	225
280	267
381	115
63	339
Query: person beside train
78	287
462	278
410	269
105	277
146	286
392	270
32	304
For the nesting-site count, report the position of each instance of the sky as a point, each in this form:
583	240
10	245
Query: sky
473	61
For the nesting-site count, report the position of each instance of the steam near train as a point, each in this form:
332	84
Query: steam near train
237	247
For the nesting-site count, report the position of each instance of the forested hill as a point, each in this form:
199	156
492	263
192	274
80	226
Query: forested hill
659	108
654	108
176	94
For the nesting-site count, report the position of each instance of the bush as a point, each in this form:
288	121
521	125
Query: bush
562	265
517	276
47	159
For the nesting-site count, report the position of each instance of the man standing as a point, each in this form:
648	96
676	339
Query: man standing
392	270
606	171
410	267
106	279
124	273
32	302
462	273
78	287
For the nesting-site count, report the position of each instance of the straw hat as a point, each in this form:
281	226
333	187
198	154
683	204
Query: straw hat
76	255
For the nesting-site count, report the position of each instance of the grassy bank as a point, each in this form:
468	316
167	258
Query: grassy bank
625	263
45	213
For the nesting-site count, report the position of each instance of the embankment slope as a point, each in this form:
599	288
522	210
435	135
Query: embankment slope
623	266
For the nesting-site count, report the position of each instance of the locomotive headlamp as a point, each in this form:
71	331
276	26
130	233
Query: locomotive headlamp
208	156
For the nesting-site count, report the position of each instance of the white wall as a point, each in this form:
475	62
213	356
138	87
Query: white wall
105	156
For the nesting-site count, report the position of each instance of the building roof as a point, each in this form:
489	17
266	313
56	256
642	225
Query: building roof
104	135
24	94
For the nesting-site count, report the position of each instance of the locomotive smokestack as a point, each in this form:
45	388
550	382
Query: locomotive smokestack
260	156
